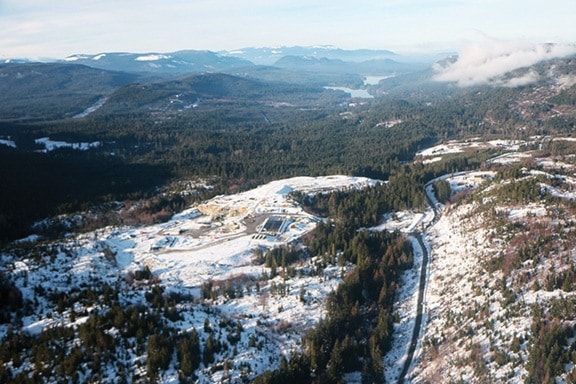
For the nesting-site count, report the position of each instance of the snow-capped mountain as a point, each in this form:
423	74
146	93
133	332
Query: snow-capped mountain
173	62
268	56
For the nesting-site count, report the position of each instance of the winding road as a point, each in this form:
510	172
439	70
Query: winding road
422	285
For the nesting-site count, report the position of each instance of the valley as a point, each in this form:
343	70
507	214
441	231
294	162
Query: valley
172	225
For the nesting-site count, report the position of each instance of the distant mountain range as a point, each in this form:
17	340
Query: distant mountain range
303	59
65	88
325	65
173	62
269	56
178	81
49	91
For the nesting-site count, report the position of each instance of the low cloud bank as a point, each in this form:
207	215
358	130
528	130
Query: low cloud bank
491	63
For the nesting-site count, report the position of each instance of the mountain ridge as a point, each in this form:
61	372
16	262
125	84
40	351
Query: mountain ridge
269	55
211	61
158	62
54	90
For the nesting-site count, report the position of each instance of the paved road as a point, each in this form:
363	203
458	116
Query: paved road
421	289
420	307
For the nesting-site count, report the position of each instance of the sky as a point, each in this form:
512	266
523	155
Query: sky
59	28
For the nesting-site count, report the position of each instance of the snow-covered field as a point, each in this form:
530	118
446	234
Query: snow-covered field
455	146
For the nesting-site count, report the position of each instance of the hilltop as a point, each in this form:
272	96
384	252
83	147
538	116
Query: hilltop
501	276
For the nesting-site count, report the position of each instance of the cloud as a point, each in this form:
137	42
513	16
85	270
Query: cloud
488	63
519	81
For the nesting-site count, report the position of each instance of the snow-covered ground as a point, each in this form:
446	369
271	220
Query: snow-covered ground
51	145
466	320
152	57
436	153
405	307
478	319
212	242
406	302
455	146
93	108
8	143
403	221
217	239
510	158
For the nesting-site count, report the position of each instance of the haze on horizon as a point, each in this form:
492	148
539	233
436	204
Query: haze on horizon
39	29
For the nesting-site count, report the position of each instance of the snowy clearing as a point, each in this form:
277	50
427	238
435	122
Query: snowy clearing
51	145
456	146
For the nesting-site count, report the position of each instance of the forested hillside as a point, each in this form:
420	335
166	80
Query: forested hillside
46	91
116	179
246	132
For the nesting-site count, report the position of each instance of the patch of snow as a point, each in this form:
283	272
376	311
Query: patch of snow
468	180
441	149
35	328
29	239
526	211
8	143
93	108
76	58
564	139
374	80
432	160
510	158
553	164
511	145
51	145
403	221
152	57
560	193
472	144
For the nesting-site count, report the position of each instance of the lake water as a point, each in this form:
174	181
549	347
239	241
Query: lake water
354	93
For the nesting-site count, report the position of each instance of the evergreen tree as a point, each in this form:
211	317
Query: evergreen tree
188	353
